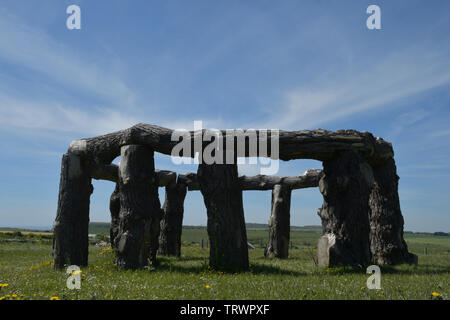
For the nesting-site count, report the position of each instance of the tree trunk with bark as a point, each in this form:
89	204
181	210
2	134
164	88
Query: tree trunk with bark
70	229
386	221
262	182
345	187
226	224
172	222
140	209
114	208
303	144
279	223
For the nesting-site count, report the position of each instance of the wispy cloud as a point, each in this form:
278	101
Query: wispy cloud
34	49
440	133
35	116
330	98
407	120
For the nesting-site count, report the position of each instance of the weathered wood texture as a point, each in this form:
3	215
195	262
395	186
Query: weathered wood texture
140	209
309	179
70	229
172	222
110	172
348	156
305	144
262	182
345	186
190	180
386	221
114	208
226	224
279	223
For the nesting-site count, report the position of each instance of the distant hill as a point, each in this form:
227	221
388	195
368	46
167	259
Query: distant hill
250	226
103	227
27	228
99	227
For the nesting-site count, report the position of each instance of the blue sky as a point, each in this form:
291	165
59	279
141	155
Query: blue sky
232	64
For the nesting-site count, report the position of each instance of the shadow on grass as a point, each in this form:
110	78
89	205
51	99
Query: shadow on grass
399	269
419	270
259	268
172	265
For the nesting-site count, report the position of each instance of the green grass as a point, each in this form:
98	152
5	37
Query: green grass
27	269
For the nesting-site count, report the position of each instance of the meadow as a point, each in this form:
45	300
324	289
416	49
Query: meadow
26	273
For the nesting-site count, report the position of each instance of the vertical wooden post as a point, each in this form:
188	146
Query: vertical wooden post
279	223
70	229
172	222
114	208
226	224
386	221
140	209
345	186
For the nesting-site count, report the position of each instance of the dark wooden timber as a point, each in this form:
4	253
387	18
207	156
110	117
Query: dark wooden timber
361	217
140	209
309	179
345	186
70	229
226	224
304	144
110	172
172	222
279	223
386	221
114	208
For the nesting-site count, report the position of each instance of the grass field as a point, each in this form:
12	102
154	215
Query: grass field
26	268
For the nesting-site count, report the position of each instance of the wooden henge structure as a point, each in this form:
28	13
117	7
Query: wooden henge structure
361	218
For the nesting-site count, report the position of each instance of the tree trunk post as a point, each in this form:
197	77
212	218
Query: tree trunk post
386	221
114	208
140	209
222	195
70	229
345	186
279	223
172	222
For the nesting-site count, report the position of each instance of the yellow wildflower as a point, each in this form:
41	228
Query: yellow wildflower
54	298
2	298
14	295
362	288
208	286
435	294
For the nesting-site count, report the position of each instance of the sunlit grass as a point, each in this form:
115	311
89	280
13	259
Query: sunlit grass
26	273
